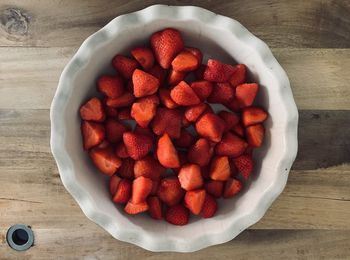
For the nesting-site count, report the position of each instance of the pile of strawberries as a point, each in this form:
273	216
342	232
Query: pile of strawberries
181	156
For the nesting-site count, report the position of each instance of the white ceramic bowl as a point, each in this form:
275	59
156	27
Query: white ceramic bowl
218	37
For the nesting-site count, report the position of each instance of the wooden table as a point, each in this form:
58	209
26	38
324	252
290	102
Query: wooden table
310	220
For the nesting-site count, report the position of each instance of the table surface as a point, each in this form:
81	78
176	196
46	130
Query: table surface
310	220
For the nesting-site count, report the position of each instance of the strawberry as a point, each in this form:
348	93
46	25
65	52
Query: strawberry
110	86
196	52
121	151
166	44
185	140
244	164
93	110
232	187
231	145
239	75
158	72
200	152
231	119
115	130
205	172
177	215
253	115
192	113
169	191
113	184
194	200
122	101
220	168
143	112
185	123
222	93
111	111
166	152
175	77
185	61
137	145
155	207
164	95
233	105
103	144
124	65
144	83
141	188
255	135
144	56
217	71
105	160
93	134
153	99
155	185
210	126
246	93
167	121
124	114
127	168
209	208
148	167
214	188
144	131
123	193
184	95
130	86
190	177
199	73
238	130
136	208
233	168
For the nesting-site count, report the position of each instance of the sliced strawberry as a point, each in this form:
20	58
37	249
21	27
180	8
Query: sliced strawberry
175	77
158	72
194	200
246	93
141	188
127	168
190	177
192	113
111	112
185	61
153	99
255	135
231	119
238	130
230	145
105	160
177	215
93	110
220	168
167	121
209	208
197	53
143	112
169	191
123	193
144	83
215	188
218	72
232	187
121	151
244	164
199	73
239	75
144	56
253	115
155	207
137	145
185	140
122	101
148	167
136	208
210	126
200	152
93	134
111	86
222	93
124	65
164	95
166	152
113	184
124	114
103	144
115	130
184	95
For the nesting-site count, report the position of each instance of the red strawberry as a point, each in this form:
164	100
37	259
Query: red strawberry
255	135
214	188
158	72
130	86
253	115
239	75
136	208
124	114
169	191
245	94
144	56
164	95
167	121
143	112
111	111
217	71
210	126
113	184
185	140
184	95
196	52
122	101
222	93
177	215
105	160
199	73
127	168
155	207
233	105
175	77
185	122
115	130
121	151
232	187
231	145
138	146
166	44
166	152
244	164
93	110
148	167
124	65
144	131
190	177
111	86
238	130
220	168
185	61
233	167
194	200
155	185
141	188
209	208
230	119
192	113
206	172
144	83
93	134
104	144
153	99
200	152
123	193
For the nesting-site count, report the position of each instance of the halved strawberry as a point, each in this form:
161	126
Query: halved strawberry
255	135
137	145
253	115
111	86
143	112
238	130
246	93
124	114
155	207
93	134
209	208
184	95
185	140
239	75
169	191
190	177
218	72
144	83
167	121
177	215
123	193
230	145
148	167
115	130
210	126
144	56
126	170
141	188
120	151
111	111
166	44
199	73
214	188
220	168
200	152
164	95
244	164
154	99
185	61
202	88
158	72
113	184
136	208
103	144
93	110
105	160
124	65
232	187
194	200
166	152
175	77
222	93
192	113
196	52
122	101
231	119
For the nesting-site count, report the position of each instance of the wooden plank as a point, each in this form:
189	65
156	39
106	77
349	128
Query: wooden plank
313	23
29	76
